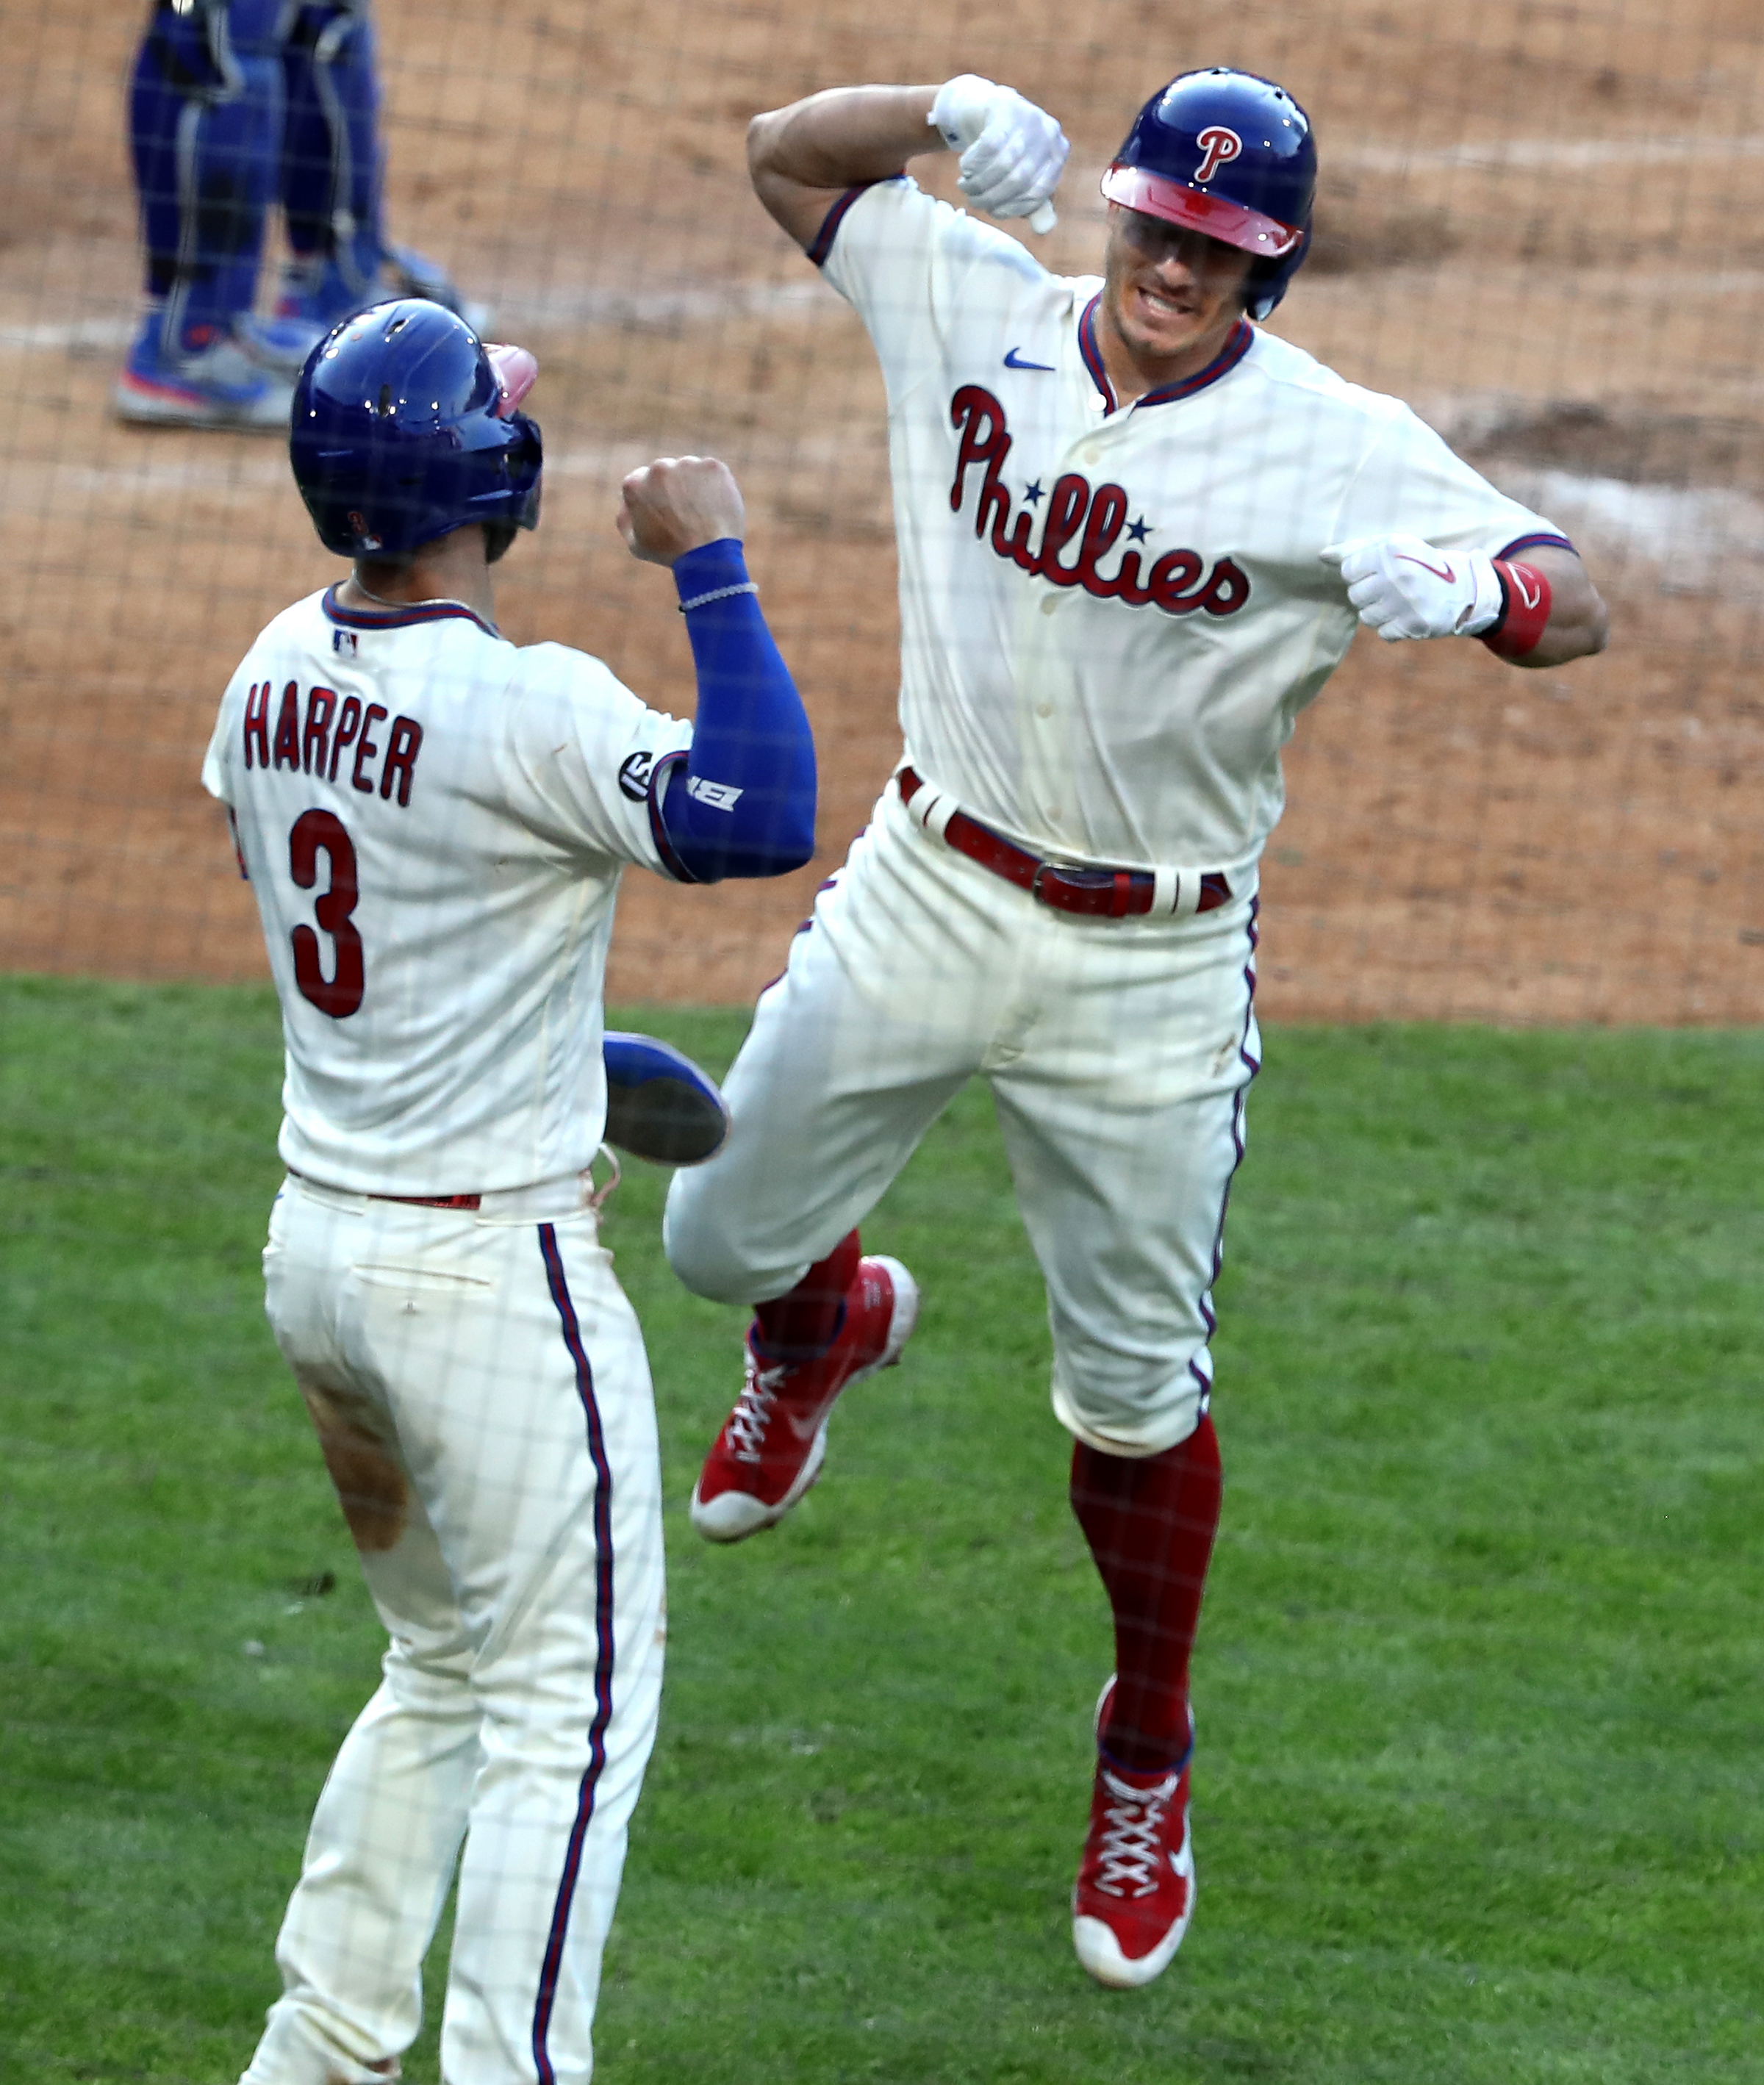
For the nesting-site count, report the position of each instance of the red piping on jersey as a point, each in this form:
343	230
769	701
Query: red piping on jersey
1242	340
401	618
822	244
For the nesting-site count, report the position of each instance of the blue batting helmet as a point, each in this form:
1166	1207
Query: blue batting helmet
1229	155
405	427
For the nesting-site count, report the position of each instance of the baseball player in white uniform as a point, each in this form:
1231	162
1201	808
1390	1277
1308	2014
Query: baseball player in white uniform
434	822
1136	533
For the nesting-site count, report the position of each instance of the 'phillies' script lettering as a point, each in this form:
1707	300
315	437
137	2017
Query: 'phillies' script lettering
1090	517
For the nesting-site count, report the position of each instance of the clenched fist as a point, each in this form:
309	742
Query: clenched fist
1405	587
677	503
1013	153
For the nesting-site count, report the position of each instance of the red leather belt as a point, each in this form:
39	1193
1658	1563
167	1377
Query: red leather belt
422	1201
433	1201
1096	893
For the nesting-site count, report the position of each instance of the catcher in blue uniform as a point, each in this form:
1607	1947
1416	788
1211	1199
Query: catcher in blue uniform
236	104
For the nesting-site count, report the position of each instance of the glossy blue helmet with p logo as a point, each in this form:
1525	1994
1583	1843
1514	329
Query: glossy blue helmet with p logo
405	427
1229	155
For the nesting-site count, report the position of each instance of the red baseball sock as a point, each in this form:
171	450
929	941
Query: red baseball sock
1150	1525
806	1321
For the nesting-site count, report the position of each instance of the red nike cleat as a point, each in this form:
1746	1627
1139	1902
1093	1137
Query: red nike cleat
772	1444
1135	1892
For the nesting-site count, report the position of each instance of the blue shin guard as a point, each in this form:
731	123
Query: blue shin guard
205	108
332	162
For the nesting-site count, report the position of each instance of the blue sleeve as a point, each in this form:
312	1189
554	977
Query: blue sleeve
741	802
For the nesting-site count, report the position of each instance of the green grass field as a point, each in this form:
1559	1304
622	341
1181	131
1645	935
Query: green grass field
1480	1692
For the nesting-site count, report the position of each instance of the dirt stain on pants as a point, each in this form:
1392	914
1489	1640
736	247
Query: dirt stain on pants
372	1486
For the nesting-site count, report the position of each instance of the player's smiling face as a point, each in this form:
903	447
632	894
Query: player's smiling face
1168	291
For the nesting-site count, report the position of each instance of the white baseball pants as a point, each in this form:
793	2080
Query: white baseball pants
484	1400
1119	1053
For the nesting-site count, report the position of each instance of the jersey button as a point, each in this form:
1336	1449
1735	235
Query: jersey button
1049	603
1043	709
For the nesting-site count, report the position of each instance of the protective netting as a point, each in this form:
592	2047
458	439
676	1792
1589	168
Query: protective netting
1544	226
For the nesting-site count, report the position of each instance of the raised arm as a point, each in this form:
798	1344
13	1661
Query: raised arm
742	801
804	158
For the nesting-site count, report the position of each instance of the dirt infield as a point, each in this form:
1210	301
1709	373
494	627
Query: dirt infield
1543	225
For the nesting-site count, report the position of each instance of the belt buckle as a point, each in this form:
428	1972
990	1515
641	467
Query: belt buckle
1075	877
1063	872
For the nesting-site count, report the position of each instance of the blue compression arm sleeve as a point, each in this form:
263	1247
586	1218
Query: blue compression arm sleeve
742	801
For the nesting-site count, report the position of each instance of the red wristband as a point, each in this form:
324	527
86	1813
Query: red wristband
1524	614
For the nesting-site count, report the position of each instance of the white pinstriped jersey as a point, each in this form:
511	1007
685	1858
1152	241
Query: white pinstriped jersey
1111	620
434	822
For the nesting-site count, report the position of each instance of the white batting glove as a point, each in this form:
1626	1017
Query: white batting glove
1404	588
1013	154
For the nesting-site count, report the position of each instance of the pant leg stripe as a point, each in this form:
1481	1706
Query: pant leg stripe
1253	1065
550	1968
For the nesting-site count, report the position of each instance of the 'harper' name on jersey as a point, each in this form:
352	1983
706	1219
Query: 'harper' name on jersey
304	738
1111	617
434	822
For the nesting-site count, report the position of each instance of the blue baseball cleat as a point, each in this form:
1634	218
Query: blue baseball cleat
277	344
207	383
659	1105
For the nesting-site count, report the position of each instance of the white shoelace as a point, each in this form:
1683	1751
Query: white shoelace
1133	1852
747	1422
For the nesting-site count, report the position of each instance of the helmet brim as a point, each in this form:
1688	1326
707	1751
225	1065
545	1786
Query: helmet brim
1134	188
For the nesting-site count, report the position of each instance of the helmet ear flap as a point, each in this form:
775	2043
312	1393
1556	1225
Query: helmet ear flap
1269	280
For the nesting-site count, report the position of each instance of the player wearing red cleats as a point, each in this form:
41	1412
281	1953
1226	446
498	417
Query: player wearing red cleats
773	1443
1135	1892
1068	910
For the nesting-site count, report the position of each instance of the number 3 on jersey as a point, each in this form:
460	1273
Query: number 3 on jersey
340	994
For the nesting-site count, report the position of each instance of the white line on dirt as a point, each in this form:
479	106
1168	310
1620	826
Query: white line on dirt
1525	154
582	304
75	333
589	304
1701	538
60	477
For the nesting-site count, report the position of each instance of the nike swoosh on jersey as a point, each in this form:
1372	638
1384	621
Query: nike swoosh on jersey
1013	360
1402	557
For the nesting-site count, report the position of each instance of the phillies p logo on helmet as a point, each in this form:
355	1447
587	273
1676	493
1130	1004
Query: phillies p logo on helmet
1219	147
1230	155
